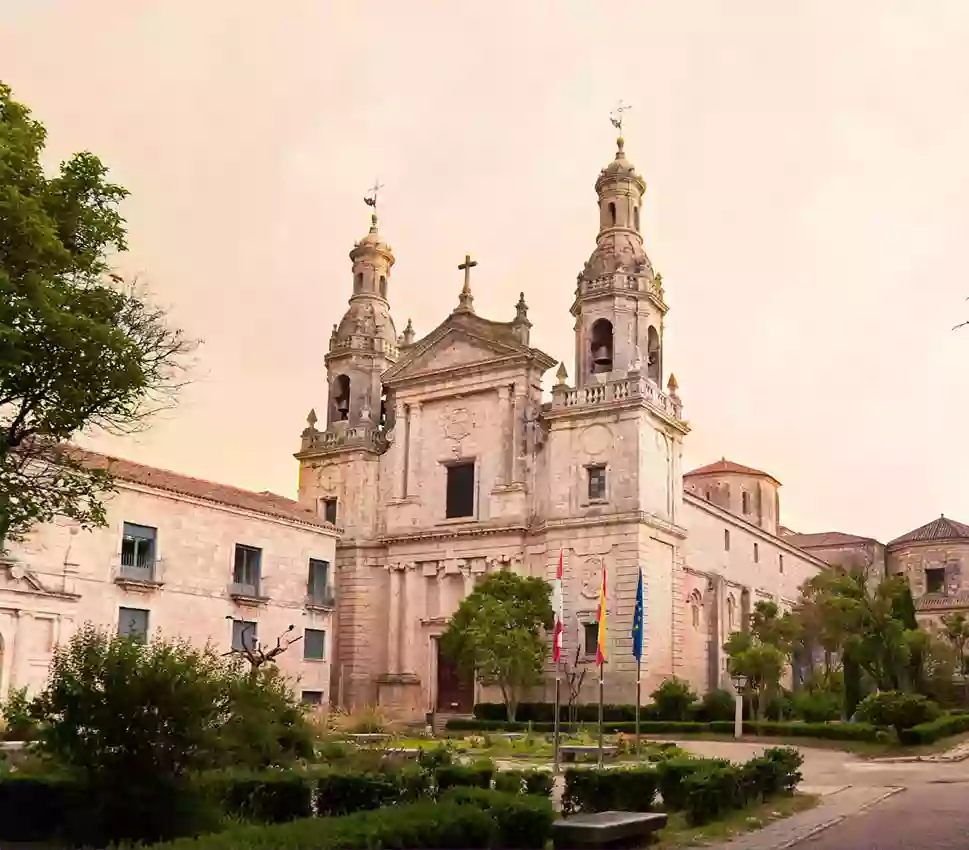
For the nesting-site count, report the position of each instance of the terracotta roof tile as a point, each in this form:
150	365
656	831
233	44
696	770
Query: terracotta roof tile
824	539
942	528
265	502
935	600
728	466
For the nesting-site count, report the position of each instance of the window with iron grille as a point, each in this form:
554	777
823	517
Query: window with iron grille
138	550
597	483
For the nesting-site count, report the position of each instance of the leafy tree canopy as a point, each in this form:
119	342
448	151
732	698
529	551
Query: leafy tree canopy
79	349
498	632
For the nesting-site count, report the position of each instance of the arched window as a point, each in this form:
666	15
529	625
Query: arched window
341	397
601	346
731	613
653	359
383	286
636	217
696	606
358	282
612	214
745	501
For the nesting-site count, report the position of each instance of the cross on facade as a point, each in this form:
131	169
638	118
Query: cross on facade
371	199
465	299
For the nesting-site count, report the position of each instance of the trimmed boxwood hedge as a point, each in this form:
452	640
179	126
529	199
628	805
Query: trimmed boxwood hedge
934	730
828	731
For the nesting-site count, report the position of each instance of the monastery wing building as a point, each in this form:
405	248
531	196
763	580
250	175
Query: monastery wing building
441	462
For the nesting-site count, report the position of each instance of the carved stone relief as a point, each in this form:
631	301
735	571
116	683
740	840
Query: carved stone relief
592	577
596	439
458	424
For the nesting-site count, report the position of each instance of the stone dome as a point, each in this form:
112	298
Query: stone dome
366	318
620	168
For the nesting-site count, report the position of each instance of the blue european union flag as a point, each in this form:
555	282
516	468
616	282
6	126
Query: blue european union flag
638	617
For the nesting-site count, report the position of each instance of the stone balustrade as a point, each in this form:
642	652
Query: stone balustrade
367	436
365	342
621	389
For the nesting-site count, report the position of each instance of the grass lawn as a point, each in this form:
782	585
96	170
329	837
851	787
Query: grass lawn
678	833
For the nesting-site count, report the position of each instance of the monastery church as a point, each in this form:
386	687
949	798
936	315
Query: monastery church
441	463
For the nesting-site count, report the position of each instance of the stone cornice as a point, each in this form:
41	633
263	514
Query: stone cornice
624	518
452	531
480	368
756	530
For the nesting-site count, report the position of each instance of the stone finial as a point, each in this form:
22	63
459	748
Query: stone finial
311	419
334	336
561	375
672	385
521	308
407	337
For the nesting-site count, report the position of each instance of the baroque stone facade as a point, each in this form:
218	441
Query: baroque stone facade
442	460
180	556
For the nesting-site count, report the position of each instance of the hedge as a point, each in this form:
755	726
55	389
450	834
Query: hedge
934	730
472	819
629	790
828	731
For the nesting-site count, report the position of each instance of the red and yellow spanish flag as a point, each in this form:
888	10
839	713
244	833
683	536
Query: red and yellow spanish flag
601	640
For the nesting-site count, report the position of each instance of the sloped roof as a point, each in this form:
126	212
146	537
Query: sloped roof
825	539
942	528
265	502
722	466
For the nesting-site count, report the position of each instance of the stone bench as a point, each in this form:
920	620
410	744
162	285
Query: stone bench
569	752
606	829
369	738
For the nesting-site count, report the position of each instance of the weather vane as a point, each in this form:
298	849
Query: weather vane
616	116
371	198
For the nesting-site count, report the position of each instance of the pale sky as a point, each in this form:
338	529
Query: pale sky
807	166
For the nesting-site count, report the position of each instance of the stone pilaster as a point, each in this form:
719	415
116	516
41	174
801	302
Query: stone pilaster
413	450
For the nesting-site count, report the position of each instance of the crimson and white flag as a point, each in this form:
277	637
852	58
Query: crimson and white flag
559	614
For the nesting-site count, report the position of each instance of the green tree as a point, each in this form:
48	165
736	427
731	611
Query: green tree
79	349
498	632
955	629
762	652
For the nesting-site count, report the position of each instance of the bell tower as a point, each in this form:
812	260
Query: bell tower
619	306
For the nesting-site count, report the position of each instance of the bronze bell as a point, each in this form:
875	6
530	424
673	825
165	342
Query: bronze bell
602	358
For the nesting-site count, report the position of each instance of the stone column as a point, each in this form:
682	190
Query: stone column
393	624
400	447
506	463
518	433
19	669
468	577
413	449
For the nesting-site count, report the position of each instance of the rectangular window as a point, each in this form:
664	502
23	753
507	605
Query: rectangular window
244	635
329	510
745	502
460	490
138	551
597	483
312	697
726	539
318	582
756	554
133	623
935	580
590	634
245	573
314	644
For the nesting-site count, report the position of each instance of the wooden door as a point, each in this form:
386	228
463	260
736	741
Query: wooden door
455	688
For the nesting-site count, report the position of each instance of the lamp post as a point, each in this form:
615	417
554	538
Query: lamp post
739	683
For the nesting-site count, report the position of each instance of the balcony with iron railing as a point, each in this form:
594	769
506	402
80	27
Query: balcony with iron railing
247	593
138	569
321	600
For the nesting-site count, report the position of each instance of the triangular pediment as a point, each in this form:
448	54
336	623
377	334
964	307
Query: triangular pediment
450	349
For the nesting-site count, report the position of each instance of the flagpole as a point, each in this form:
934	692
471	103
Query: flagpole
601	690
558	698
639	688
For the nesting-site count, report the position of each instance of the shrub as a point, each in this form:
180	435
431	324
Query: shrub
816	707
671	773
524	822
899	710
672	699
432	758
486	820
778	706
934	730
266	797
20	723
710	793
788	762
476	775
343	792
715	705
538	783
630	790
34	808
